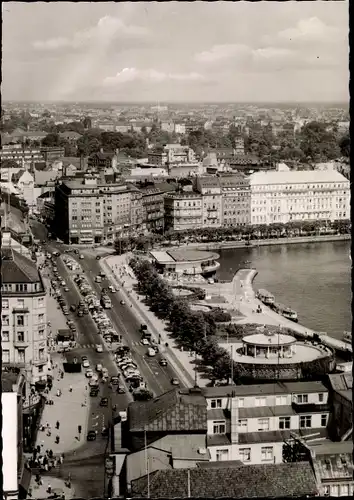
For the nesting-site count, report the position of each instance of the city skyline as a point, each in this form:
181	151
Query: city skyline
187	52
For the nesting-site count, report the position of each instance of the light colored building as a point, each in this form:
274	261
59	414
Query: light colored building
9	448
209	188
251	422
23	313
89	212
25	185
281	197
180	128
24	156
183	211
236	200
172	153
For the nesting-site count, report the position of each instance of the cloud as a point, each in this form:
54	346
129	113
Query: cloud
107	29
222	53
128	75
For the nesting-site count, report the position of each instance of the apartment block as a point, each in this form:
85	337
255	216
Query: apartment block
101	161
21	154
281	197
183	211
250	423
172	153
236	200
89	212
209	188
23	314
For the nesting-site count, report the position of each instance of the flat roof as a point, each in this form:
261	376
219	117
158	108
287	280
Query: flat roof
261	339
162	257
181	255
296	177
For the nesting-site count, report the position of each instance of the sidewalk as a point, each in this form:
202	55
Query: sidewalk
70	410
57	484
184	361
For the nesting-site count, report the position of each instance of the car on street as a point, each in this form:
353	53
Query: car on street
89	373
91	436
122	302
151	352
105	372
65	311
66	289
99	367
81	257
73	307
94	391
93	383
86	363
63	283
174	381
163	362
83	358
104	402
112	289
98	257
99	348
145	342
120	390
115	380
80	313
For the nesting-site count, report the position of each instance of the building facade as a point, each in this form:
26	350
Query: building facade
89	212
183	211
250	423
52	153
236	200
281	197
101	161
21	154
209	188
23	314
172	153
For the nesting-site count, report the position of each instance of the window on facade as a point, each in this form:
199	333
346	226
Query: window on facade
260	401
280	400
267	453
5	304
321	397
305	421
222	455
302	398
323	420
284	422
5	336
5	320
245	454
219	427
41	354
21	287
263	424
20	336
21	355
6	356
344	490
20	320
242	423
216	403
40	318
40	302
41	333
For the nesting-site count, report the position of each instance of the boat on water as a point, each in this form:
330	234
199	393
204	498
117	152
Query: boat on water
287	312
347	337
266	297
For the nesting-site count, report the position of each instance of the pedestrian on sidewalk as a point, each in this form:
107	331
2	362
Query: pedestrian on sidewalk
57	439
49	489
61	459
70	388
57	425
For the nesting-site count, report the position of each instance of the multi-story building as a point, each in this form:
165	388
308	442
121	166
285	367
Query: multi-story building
101	160
250	422
280	197
153	207
22	155
88	212
172	153
183	211
209	188
23	314
52	153
236	200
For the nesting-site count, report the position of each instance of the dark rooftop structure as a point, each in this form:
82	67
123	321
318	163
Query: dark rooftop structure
244	481
17	268
342	383
176	410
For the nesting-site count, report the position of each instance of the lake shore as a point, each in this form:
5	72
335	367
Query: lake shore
256	243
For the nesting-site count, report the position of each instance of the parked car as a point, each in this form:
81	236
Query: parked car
104	402
163	362
94	391
120	390
91	436
86	363
174	381
145	342
115	380
99	348
105	372
122	302
73	307
83	358
89	373
98	367
81	257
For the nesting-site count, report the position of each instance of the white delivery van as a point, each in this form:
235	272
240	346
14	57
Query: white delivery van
151	352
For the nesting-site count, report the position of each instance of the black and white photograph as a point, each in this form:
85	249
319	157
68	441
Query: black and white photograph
176	250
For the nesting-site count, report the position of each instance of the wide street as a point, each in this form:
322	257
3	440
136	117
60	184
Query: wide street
86	464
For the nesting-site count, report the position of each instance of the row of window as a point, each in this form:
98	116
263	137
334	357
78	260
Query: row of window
21	355
305	422
20	336
262	401
19	319
267	454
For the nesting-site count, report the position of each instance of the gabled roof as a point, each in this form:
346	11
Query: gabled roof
70	134
176	410
102	156
16	268
244	481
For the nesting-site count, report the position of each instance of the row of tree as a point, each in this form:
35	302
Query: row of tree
204	235
193	330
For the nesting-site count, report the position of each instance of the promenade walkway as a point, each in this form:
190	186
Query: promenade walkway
58	486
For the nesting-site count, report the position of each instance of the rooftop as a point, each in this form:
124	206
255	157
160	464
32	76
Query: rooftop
296	177
262	339
192	255
248	481
16	268
176	410
342	383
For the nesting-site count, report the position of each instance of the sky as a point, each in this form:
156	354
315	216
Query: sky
176	51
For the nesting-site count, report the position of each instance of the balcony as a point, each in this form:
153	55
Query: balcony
311	408
20	310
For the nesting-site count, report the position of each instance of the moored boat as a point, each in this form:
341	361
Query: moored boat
287	312
266	297
347	337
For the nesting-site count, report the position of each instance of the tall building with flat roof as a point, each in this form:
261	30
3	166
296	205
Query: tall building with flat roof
281	197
